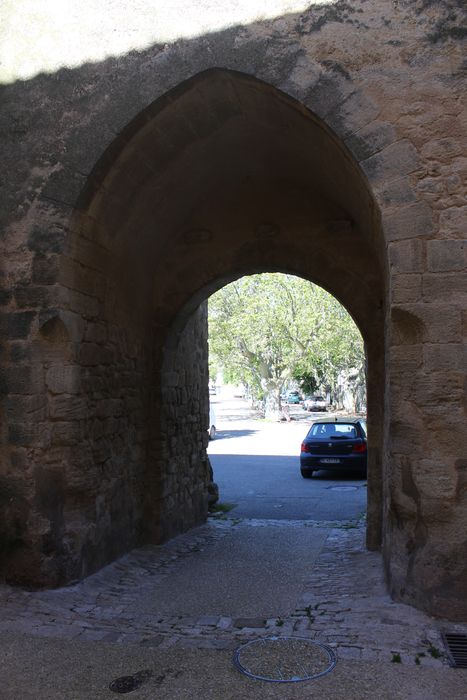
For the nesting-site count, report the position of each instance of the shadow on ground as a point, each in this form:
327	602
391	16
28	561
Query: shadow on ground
338	475
226	434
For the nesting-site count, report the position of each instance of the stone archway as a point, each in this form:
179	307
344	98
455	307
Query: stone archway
88	161
223	176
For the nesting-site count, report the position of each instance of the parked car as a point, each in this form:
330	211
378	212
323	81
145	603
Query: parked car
334	444
212	423
293	397
315	403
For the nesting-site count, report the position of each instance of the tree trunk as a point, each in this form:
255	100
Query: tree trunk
272	401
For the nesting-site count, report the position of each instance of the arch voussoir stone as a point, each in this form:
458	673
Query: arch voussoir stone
370	139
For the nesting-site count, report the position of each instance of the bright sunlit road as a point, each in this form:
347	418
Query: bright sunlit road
256	465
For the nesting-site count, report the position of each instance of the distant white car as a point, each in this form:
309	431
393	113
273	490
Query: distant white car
315	403
212	423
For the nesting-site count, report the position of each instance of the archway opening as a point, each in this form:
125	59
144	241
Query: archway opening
287	398
222	177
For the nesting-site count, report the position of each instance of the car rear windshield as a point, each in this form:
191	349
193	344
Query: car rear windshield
334	431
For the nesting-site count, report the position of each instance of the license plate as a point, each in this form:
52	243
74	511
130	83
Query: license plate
330	461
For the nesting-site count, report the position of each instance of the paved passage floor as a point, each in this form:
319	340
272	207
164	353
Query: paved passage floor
69	644
253	571
186	593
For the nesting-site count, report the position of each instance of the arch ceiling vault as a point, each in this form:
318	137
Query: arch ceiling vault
106	379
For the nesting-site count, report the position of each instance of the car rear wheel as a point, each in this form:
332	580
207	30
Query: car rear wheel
306	473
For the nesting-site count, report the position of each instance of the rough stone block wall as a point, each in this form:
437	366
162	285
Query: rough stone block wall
76	443
102	450
183	466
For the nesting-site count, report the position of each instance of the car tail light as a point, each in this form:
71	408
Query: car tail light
359	447
305	447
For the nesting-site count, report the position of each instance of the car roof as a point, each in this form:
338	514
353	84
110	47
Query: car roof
338	420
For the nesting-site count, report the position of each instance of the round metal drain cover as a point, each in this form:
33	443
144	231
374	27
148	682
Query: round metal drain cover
284	659
343	488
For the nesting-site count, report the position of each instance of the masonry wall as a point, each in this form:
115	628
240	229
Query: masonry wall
80	336
182	465
108	451
77	430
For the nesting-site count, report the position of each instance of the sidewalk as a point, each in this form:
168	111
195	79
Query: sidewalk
181	609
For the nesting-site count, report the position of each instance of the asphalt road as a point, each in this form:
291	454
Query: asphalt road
256	466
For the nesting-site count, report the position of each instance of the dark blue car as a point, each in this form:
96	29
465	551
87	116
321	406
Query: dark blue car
334	444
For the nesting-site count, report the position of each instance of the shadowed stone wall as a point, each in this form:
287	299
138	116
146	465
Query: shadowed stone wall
76	440
182	466
327	142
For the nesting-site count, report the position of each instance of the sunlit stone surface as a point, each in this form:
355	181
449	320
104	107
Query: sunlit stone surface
45	35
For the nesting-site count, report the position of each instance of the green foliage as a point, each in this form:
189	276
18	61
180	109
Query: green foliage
265	330
222	507
435	653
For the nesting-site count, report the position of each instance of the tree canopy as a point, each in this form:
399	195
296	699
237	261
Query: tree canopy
266	330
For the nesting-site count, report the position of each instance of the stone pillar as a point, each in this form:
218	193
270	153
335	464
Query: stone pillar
426	500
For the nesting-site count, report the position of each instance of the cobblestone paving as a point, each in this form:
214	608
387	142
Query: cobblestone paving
344	604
